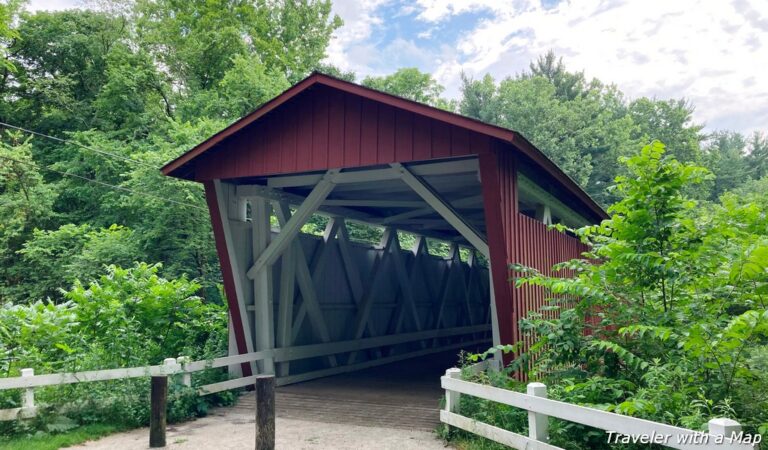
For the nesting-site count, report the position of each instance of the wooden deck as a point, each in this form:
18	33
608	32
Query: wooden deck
402	395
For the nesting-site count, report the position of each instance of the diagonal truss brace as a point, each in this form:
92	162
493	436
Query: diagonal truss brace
443	208
294	224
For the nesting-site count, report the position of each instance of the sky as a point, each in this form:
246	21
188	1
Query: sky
712	52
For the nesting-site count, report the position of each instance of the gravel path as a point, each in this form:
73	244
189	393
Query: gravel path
388	407
225	430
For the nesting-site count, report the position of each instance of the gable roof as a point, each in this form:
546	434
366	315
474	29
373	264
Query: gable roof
174	168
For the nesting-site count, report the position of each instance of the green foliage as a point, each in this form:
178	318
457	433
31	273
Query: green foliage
725	155
127	318
673	297
574	125
758	155
586	126
66	439
8	12
201	41
53	258
25	204
412	84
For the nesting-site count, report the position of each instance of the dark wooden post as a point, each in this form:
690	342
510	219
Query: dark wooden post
157	412
265	412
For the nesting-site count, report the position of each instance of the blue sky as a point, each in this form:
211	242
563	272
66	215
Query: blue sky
712	52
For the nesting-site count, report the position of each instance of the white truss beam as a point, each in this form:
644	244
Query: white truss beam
224	198
443	208
306	286
291	229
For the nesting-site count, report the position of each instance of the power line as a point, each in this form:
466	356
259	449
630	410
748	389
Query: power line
103	184
69	141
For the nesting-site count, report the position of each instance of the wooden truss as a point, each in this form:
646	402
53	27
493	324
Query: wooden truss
354	305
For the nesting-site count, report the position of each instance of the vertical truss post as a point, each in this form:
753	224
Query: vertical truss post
262	283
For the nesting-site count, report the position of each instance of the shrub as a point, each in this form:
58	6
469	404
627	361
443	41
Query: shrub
127	318
680	291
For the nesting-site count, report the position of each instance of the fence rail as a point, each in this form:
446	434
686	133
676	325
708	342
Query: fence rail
28	381
722	433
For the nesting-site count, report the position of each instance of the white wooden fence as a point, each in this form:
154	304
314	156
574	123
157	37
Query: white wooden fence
722	433
182	366
171	366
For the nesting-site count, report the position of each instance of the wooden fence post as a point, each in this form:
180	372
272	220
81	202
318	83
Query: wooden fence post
28	399
159	399
265	412
186	377
452	398
724	427
538	424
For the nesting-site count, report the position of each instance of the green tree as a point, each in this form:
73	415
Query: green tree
61	60
25	204
758	155
53	260
8	35
244	87
170	217
676	307
330	69
725	156
478	97
669	121
568	85
573	132
412	84
135	97
199	40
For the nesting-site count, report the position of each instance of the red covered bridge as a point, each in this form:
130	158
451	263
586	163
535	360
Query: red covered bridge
322	305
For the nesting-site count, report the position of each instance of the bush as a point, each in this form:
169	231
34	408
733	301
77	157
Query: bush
127	318
680	293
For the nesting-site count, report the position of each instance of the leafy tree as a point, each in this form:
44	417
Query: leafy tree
330	69
245	86
669	121
676	309
478	97
725	157
568	85
199	40
571	132
170	217
61	60
135	95
758	155
25	204
412	84
52	259
7	34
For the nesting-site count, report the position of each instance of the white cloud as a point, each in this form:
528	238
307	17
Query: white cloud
712	52
349	49
437	10
52	5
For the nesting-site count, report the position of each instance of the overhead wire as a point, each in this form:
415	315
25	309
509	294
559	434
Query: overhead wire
103	184
91	180
69	141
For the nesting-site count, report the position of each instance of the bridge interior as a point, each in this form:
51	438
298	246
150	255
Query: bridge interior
402	395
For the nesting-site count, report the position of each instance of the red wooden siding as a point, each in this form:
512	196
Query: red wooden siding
324	128
227	273
541	248
516	238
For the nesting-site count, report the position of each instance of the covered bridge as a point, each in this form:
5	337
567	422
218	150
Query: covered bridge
322	305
